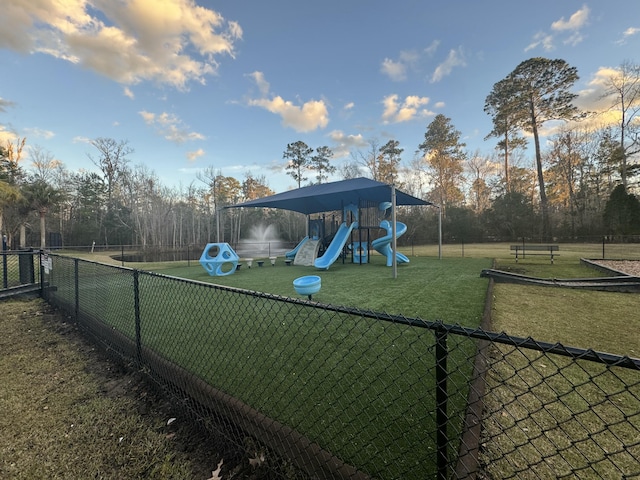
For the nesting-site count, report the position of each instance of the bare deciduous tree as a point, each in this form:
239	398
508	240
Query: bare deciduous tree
622	87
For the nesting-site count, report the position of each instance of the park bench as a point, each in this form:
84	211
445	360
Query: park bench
520	251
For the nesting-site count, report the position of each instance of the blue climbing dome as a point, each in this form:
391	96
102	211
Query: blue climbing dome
219	259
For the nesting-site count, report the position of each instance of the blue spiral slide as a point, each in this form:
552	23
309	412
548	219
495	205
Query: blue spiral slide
383	244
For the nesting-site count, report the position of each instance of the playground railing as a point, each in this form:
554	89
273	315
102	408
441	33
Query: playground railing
344	393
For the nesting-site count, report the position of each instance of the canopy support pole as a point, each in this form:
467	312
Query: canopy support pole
439	232
394	243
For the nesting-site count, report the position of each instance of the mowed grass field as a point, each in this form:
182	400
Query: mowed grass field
434	290
364	389
448	289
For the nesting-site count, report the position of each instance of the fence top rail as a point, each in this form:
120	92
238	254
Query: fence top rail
20	252
610	359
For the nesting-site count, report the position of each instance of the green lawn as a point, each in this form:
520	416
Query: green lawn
363	389
365	377
423	288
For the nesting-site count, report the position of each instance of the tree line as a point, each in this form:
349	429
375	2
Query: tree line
580	182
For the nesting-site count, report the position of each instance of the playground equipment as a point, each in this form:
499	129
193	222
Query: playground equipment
219	259
304	253
341	237
307	285
308	253
291	254
332	253
383	244
360	252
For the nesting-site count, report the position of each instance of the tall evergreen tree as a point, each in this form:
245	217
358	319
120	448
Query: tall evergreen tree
444	154
388	162
539	90
320	163
298	156
622	213
506	122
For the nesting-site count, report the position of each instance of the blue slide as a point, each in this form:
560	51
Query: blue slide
290	255
336	246
383	244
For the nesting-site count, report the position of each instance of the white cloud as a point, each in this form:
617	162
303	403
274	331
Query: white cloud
6	135
629	32
408	109
594	98
338	136
431	49
170	127
602	104
571	27
574	39
541	39
343	144
261	82
81	139
347	110
39	133
128	93
307	117
129	42
396	71
193	156
454	59
576	21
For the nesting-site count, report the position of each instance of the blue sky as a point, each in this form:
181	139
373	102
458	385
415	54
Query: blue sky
228	84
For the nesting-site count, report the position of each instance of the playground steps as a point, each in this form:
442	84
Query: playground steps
307	253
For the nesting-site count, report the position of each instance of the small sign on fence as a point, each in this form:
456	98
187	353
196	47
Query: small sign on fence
46	262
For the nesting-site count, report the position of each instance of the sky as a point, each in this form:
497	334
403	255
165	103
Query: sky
228	84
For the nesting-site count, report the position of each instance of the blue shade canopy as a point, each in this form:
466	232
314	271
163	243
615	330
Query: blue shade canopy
327	197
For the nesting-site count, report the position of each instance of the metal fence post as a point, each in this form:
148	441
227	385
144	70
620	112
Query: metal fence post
41	266
442	440
136	306
77	287
5	278
26	271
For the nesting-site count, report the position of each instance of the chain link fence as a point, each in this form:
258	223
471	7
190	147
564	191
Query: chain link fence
19	270
344	393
